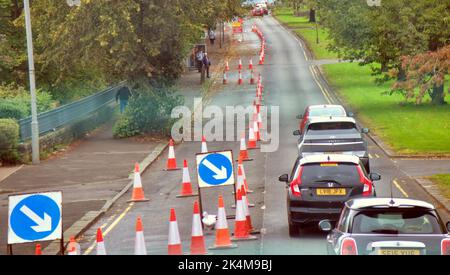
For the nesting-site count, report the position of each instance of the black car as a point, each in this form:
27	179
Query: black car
333	135
319	186
388	226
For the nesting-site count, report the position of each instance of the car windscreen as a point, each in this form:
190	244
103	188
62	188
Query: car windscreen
329	111
400	221
338	172
335	125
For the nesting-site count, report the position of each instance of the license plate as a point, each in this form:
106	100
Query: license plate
330	191
399	252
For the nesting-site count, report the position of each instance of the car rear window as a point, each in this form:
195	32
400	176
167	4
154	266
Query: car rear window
415	221
339	172
332	126
329	111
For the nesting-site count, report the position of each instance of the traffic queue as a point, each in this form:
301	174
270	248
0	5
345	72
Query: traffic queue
331	185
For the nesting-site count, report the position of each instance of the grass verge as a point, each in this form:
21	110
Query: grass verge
408	128
443	183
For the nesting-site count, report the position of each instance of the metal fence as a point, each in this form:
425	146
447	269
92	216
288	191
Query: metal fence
61	116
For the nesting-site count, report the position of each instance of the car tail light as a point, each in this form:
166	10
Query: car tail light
368	185
295	184
445	246
348	247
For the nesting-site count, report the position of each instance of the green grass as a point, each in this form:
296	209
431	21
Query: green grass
443	182
306	30
408	128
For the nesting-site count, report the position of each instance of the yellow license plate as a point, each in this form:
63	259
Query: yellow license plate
399	252
330	191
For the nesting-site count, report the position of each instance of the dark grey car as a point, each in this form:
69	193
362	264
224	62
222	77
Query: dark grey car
386	226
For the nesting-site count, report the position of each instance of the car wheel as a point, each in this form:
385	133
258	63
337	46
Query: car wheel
293	231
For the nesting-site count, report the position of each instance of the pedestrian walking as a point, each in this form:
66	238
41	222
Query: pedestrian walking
212	36
199	60
206	64
123	94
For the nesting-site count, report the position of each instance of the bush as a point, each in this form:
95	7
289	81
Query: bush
9	139
10	109
148	111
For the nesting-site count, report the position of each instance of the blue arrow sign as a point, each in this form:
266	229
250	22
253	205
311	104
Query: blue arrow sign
215	169
34	217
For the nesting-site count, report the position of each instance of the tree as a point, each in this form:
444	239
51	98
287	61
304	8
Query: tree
424	74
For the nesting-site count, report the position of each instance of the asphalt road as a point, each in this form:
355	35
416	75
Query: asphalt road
290	84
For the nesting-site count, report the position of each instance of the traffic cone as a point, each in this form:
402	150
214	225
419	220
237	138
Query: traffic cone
227	68
246	204
261	60
252	80
139	243
222	233
243	153
256	130
138	191
171	161
250	64
174	246
240	64
251	139
241	231
101	250
197	239
241	165
38	250
186	190
240	81
225	77
204	147
73	247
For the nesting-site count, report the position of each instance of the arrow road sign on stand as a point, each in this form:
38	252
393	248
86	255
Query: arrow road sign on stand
215	169
34	217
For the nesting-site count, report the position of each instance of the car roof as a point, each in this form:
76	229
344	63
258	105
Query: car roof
323	158
325	119
361	203
323	106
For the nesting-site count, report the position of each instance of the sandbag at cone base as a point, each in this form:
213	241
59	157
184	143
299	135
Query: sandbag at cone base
174	244
171	160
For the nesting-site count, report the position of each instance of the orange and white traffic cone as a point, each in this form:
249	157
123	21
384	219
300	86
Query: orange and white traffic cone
240	64
240	80
256	130
223	239
38	250
101	250
243	153
197	239
241	165
246	204
241	231
74	247
138	191
227	68
251	139
250	64
171	161
186	189
204	146
261	60
174	246
252	80
225	81
139	242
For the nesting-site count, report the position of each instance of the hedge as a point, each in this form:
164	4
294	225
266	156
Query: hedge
9	140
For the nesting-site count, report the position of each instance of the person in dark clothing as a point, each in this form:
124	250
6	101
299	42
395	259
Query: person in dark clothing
123	94
212	37
206	64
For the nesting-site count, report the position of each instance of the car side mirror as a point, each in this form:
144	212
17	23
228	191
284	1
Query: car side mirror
325	225
299	116
448	226
350	114
374	176
297	133
284	178
365	130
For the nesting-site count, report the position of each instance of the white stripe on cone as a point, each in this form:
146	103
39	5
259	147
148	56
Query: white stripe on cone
101	250
171	152
137	180
174	233
186	176
240	211
204	147
196	226
139	245
221	219
243	146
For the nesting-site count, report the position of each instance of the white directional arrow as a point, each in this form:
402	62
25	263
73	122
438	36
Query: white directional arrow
221	173
42	225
